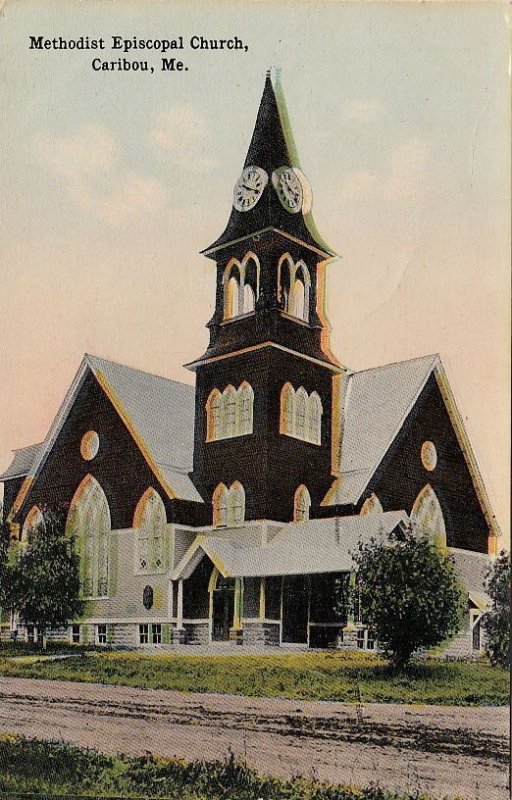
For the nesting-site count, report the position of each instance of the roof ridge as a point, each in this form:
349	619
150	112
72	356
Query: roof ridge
26	447
431	356
91	356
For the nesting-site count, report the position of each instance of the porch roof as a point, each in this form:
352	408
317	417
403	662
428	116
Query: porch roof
301	548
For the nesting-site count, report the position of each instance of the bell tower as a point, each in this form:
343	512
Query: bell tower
264	385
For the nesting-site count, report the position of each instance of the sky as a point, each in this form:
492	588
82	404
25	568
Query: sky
113	181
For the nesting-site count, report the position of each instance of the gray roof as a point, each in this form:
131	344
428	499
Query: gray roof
472	570
375	404
162	412
22	461
159	410
313	546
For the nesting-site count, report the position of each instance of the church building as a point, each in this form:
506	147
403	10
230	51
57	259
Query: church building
231	511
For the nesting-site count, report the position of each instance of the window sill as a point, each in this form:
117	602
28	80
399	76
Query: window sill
141	573
238	316
89	598
226	438
300	439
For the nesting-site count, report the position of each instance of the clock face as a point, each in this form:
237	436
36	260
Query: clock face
289	189
249	188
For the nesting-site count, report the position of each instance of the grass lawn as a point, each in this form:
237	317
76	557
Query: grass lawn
345	677
54	768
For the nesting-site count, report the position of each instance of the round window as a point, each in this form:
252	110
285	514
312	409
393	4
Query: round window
429	455
147	597
89	445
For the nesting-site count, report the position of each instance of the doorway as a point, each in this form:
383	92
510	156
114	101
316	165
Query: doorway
223	608
295	609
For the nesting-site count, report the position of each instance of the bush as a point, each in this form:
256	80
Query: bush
497	620
408	594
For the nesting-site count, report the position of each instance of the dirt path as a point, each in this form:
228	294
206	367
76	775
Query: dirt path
440	750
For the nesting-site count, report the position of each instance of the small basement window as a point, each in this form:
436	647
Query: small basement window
101	634
143	634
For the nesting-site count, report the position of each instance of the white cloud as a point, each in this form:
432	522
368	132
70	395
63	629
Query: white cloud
88	164
402	177
181	135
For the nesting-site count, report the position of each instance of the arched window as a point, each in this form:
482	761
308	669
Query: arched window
371	505
301	504
230	413
287	411
89	521
298	304
249	299
251	279
220	506
33	521
301	407
214	416
285	270
245	409
229	398
236	505
314	419
231	298
150	520
427	516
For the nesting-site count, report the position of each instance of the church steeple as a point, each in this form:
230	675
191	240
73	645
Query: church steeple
272	191
264	386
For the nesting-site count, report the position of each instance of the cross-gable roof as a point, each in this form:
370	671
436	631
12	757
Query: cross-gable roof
313	546
375	405
23	459
158	412
376	402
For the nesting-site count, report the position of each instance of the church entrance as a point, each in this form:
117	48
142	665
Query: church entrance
223	608
295	609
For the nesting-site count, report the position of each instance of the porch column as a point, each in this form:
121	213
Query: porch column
262	599
179	604
235	633
350	630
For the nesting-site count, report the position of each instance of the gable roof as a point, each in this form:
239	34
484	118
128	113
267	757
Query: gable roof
313	546
158	412
375	405
161	410
472	569
23	459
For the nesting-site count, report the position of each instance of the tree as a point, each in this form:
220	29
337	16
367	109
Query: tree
408	593
497	621
44	578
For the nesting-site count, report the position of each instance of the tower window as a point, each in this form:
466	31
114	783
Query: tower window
230	413
294	284
241	286
228	505
300	414
301	504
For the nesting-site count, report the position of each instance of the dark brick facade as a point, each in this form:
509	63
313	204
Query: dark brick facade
119	466
401	475
269	465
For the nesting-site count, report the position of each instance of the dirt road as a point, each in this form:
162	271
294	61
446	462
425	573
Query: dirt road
440	750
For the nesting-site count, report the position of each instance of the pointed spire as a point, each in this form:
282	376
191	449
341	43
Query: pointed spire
271	152
269	148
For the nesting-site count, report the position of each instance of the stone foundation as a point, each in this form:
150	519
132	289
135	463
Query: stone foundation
260	633
197	632
349	638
